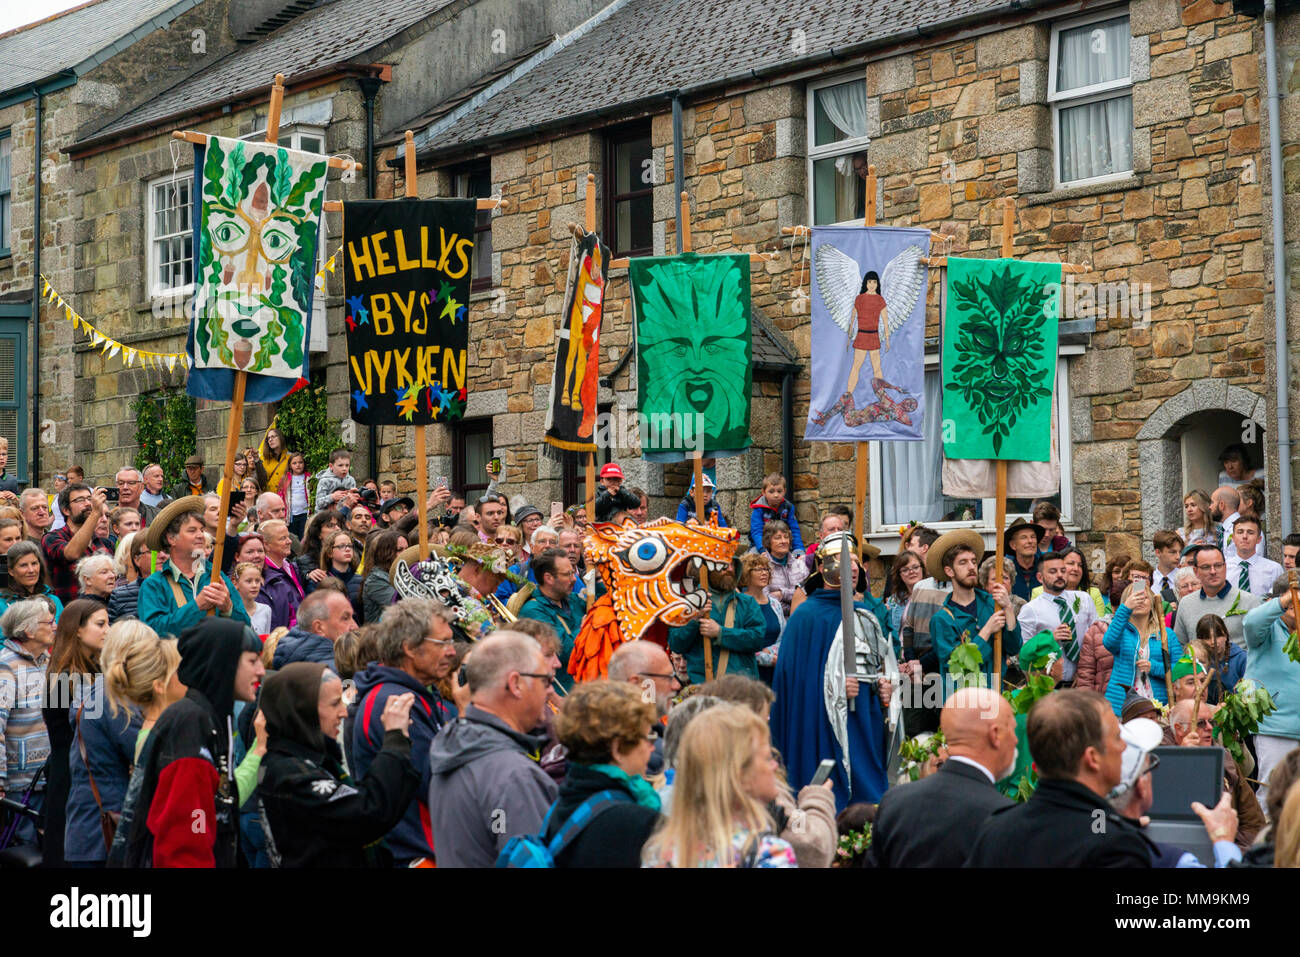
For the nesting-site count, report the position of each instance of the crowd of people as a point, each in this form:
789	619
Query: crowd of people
315	701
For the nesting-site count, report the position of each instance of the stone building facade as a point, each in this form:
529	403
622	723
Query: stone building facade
132	65
958	120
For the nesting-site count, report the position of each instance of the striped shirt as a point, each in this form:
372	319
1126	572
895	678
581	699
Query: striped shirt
24	742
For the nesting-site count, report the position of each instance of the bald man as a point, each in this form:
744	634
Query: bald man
646	665
932	822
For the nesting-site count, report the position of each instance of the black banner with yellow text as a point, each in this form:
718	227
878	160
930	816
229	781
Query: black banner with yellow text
407	277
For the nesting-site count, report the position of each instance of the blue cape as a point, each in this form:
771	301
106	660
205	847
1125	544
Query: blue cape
801	731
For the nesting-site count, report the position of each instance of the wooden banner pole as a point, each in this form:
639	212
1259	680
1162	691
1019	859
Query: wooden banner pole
684	224
589	220
1008	250
234	427
860	448
421	431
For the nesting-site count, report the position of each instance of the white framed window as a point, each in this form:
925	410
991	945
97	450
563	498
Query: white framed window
906	477
476	182
171	234
308	139
837	149
1091	93
6	156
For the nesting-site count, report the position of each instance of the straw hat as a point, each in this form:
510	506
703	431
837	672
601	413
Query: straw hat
154	533
960	536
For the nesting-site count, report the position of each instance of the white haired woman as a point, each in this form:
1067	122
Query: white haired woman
96	578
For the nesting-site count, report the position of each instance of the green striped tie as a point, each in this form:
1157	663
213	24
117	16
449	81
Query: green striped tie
1243	579
1067	618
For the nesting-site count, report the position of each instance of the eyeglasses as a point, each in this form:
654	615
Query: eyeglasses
129	482
506	541
79	500
528	674
1211	568
671	676
441	642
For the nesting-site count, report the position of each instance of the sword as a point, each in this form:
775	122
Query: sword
846	609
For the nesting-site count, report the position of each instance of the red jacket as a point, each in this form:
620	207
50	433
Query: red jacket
283	492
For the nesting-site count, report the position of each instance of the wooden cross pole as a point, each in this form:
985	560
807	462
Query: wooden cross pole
860	450
421	431
589	217
233	428
1008	250
684	224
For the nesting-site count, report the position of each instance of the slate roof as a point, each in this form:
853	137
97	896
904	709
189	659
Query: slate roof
68	40
649	48
334	33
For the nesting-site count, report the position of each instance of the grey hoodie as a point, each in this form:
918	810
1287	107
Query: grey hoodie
486	786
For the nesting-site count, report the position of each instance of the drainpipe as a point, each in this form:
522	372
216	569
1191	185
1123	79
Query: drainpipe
370	89
787	432
679	171
35	437
1283	359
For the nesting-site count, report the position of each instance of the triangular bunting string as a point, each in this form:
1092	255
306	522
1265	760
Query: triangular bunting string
106	344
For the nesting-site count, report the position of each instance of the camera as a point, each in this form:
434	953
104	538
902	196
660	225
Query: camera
112	494
369	496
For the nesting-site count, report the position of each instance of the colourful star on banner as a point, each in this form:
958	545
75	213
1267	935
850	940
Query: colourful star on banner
449	310
351	324
355	304
445	400
407	401
359	398
363	316
444	292
460	313
461	394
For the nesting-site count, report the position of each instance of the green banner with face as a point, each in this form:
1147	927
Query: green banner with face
693	353
999	358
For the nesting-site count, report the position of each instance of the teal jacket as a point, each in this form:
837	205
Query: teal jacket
7	598
1270	666
157	604
747	635
950	624
566	619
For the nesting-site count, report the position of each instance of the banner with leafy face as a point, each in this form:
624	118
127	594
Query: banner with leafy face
406	273
694	354
999	358
256	227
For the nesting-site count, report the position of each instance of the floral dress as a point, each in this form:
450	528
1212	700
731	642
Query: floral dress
768	851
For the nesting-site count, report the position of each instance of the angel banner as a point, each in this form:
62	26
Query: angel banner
868	306
571	415
999	358
256	228
694	354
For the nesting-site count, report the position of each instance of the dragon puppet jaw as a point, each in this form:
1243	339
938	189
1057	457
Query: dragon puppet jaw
649	573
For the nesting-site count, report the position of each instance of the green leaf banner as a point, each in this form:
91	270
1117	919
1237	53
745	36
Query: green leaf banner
999	358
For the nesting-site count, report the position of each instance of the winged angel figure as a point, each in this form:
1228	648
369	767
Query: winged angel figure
868	310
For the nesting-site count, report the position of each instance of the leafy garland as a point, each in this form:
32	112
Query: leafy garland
1240	715
916	751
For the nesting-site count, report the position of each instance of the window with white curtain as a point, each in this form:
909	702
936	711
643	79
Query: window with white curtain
906	477
171	235
1091	93
837	150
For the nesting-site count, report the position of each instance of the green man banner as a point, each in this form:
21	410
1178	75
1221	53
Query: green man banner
999	358
694	354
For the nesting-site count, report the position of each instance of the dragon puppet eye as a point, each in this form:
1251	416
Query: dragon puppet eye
647	556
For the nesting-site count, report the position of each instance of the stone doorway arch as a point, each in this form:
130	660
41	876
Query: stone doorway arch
1160	456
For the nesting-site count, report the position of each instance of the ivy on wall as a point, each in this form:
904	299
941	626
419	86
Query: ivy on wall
165	431
304	419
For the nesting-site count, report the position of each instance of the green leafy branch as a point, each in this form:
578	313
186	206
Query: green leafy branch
1241	714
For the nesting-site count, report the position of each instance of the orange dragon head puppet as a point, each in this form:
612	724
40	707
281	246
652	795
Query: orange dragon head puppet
649	572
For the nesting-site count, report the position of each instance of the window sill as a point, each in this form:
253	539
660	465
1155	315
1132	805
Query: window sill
1119	185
